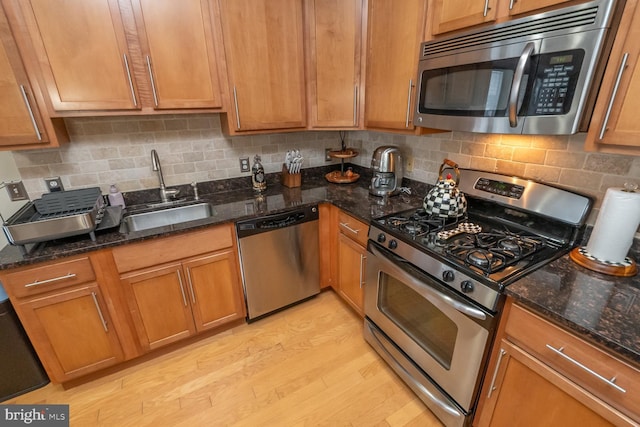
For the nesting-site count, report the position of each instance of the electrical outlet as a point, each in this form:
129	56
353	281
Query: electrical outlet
327	157
17	191
54	184
409	163
244	164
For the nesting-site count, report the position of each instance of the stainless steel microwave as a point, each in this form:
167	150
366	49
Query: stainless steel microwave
534	75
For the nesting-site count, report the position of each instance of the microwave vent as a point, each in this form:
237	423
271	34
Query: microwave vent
569	20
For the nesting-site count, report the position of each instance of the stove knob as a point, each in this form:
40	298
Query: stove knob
393	244
381	237
448	276
466	286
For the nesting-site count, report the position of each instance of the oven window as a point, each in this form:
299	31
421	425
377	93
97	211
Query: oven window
429	327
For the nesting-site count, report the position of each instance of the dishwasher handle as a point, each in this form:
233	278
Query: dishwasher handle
268	223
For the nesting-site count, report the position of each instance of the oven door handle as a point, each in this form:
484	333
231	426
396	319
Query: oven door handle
419	286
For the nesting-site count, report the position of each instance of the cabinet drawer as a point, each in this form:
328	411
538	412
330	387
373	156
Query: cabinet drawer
141	255
353	228
607	377
47	277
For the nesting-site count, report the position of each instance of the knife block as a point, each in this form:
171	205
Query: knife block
290	180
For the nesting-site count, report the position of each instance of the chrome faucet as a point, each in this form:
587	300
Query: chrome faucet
165	193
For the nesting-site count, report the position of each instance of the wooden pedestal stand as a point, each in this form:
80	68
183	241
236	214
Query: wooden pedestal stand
342	177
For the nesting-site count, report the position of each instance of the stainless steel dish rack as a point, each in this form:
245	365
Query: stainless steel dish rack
56	215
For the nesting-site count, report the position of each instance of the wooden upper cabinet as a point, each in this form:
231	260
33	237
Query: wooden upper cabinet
395	31
83	54
264	48
179	52
450	15
335	40
20	119
615	127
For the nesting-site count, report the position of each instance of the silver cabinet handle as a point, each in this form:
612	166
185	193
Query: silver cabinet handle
355	105
133	92
515	84
55	279
30	110
611	382
184	298
406	123
623	65
153	83
235	100
345	225
362	258
492	387
511	3
95	301
486	8
193	294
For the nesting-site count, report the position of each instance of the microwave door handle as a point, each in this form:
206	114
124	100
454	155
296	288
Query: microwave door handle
515	84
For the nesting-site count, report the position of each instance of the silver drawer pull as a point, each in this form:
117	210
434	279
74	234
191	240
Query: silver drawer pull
610	382
104	322
55	279
493	387
184	298
345	225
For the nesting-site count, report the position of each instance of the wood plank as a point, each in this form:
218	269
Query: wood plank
308	365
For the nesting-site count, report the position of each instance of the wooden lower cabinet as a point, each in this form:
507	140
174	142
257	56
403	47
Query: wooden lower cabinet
351	263
542	375
173	301
72	332
531	392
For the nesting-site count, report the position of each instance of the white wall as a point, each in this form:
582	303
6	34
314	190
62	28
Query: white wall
8	172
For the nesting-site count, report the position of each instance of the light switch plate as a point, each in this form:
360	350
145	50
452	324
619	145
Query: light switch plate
17	191
54	184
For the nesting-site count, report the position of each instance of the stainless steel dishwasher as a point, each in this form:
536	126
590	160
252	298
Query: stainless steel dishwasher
279	260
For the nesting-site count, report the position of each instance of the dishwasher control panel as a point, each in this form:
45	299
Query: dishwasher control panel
276	221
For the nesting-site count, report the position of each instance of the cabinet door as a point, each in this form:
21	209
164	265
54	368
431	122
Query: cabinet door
215	290
527	389
524	6
615	127
20	120
72	332
265	59
450	15
335	33
158	302
395	31
351	271
180	54
82	50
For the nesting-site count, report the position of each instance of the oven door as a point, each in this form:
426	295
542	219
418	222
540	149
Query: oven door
445	335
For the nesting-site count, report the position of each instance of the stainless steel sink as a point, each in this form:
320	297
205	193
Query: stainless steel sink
166	217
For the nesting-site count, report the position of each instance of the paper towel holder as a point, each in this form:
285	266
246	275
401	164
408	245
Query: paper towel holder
582	257
624	268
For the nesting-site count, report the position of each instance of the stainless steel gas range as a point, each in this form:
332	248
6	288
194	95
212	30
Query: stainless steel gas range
434	287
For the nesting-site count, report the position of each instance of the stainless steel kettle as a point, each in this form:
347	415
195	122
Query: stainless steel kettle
445	199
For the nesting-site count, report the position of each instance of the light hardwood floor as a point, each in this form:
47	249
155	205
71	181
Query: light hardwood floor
306	366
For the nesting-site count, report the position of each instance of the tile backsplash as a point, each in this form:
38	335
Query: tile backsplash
117	150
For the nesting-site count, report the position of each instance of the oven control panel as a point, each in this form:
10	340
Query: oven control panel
501	188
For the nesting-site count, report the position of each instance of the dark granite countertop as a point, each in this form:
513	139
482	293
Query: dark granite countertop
600	308
233	200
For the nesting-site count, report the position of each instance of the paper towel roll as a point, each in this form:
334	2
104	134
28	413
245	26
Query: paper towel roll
615	226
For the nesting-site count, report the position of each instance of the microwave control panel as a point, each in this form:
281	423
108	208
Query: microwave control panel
555	82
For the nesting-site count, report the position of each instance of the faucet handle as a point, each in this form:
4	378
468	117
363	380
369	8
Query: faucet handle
195	190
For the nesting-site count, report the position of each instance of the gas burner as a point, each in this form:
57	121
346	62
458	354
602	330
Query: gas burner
412	228
484	259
